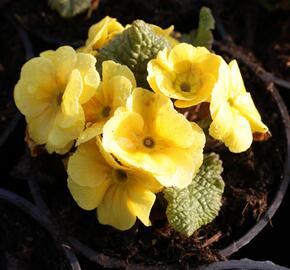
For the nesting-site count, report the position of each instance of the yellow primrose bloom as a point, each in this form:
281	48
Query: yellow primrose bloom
116	86
152	136
234	115
100	34
186	73
96	180
50	93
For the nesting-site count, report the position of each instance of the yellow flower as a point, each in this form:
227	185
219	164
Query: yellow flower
166	33
50	93
185	73
116	86
120	195
100	34
234	115
153	137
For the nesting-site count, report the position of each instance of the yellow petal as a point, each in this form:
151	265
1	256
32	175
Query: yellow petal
186	164
221	91
63	59
87	167
222	122
91	79
140	203
145	180
102	32
114	210
110	159
59	149
173	127
28	104
181	57
70	99
238	86
93	108
117	135
161	61
153	71
166	33
240	139
58	136
87	198
40	126
35	89
147	104
121	89
111	69
245	105
90	133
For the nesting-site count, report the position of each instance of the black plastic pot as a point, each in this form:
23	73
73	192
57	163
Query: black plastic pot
244	264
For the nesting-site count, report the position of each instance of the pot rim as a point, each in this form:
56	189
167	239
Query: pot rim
243	264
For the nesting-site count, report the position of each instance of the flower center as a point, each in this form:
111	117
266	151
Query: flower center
120	175
185	87
148	142
106	111
59	99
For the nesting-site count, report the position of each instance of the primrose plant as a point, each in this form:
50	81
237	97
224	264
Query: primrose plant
114	107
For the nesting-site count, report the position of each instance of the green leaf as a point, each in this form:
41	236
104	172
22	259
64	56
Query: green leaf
134	47
202	36
69	8
199	203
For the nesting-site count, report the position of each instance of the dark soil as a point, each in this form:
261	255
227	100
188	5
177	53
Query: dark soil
251	178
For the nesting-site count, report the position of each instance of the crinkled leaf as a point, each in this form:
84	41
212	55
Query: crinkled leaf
69	8
134	47
203	35
199	203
